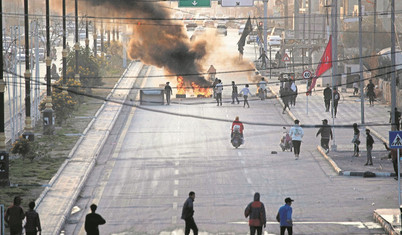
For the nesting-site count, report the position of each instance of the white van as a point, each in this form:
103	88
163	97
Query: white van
274	40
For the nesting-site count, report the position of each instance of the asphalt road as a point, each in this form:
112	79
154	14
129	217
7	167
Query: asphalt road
153	159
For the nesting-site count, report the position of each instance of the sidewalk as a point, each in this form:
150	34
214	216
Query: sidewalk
341	159
57	200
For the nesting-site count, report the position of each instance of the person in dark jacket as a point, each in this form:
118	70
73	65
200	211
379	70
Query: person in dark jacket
337	97
14	216
327	98
285	95
255	210
188	213
235	93
326	134
32	226
370	92
168	92
369	146
92	221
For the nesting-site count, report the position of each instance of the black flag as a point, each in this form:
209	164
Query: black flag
247	30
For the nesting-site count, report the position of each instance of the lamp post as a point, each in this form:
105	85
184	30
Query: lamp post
334	17
48	112
28	131
361	65
77	44
65	52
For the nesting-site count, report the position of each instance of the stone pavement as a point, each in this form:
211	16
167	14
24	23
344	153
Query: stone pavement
310	111
57	200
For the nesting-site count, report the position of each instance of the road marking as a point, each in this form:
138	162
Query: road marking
176	182
358	224
177	163
249	181
175	193
174	205
174	219
176	172
239	153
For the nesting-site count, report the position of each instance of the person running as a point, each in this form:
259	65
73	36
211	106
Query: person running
326	135
296	132
246	92
369	146
168	92
370	92
255	210
218	91
327	98
188	213
92	221
356	140
234	93
32	226
286	96
284	217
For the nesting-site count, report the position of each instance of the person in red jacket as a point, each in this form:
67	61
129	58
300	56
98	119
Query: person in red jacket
256	212
237	126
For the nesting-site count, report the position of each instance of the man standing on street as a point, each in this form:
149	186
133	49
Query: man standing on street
92	221
284	217
188	213
370	92
218	91
168	92
256	212
14	216
327	98
326	134
234	93
369	146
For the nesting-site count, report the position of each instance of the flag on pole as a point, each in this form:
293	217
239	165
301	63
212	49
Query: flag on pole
247	30
324	65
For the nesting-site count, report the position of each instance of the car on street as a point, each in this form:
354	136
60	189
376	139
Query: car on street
252	37
199	31
274	40
209	24
222	29
191	26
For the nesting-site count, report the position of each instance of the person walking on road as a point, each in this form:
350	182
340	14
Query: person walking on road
246	92
32	226
278	59
337	97
393	154
284	217
327	98
93	220
263	57
293	91
370	92
326	135
356	140
369	146
296	132
214	85
168	92
397	118
188	213
286	96
218	91
14	216
234	93
262	89
355	88
255	210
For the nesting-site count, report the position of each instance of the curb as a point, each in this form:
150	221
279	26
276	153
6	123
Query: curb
384	224
331	162
281	102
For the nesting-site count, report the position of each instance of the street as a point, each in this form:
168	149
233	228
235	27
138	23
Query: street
152	160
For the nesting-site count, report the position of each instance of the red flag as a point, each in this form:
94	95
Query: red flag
324	65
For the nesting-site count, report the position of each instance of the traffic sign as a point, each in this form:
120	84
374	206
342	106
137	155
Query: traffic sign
194	3
395	139
286	58
306	74
237	3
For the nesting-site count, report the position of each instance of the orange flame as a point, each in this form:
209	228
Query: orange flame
198	90
181	89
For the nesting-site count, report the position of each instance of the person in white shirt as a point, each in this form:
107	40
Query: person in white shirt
218	91
246	92
296	132
262	88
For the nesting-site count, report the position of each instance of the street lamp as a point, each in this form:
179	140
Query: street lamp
77	44
48	112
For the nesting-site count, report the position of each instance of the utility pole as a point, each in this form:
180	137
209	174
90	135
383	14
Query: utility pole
95	41
393	70
65	52
86	34
309	35
265	25
4	161
77	44
334	17
48	112
286	14
361	64
28	134
375	26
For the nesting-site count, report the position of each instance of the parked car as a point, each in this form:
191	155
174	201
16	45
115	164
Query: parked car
222	29
199	30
